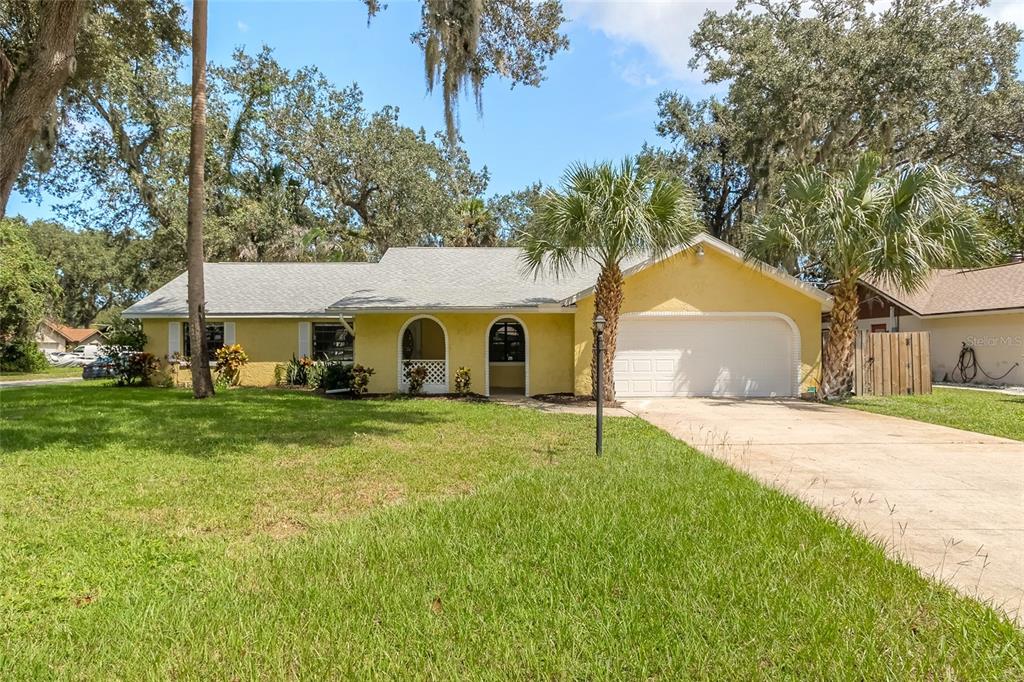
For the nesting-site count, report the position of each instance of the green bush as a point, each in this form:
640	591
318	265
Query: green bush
230	360
296	372
417	376
315	375
463	380
130	365
22	355
360	379
125	332
336	375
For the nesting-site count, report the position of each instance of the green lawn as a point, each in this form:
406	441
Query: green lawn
48	373
271	534
999	414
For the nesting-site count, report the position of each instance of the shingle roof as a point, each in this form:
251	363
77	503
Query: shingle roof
410	278
259	289
429	277
999	287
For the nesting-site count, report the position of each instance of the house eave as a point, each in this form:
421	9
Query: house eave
777	274
557	308
177	315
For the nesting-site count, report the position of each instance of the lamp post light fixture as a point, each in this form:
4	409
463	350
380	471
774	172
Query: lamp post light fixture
599	323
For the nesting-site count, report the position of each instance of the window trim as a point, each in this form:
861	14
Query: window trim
501	325
186	342
351	342
487	352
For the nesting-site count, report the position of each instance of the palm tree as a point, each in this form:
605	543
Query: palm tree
202	381
479	227
893	227
605	214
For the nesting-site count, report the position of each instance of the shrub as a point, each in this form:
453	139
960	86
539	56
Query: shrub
22	355
297	371
336	375
463	380
417	376
230	360
359	379
130	365
179	360
315	375
279	374
125	332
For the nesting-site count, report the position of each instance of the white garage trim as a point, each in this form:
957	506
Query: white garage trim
487	354
795	373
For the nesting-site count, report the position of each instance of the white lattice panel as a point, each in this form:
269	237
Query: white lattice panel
435	370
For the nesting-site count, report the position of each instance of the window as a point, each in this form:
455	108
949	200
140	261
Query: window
882	327
332	342
214	339
507	342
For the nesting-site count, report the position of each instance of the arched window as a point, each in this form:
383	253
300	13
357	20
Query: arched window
507	342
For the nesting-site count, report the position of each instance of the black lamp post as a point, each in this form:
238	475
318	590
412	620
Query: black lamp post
599	348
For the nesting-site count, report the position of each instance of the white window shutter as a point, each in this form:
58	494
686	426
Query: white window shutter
304	336
229	333
173	338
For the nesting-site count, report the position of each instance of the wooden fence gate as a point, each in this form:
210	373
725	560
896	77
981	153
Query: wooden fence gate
892	363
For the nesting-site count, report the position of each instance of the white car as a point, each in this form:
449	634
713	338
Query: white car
80	356
89	351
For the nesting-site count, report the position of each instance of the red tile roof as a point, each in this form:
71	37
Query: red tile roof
77	335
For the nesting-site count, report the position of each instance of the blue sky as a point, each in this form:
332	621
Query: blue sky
597	102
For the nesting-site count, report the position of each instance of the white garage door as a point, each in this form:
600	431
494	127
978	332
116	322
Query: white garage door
704	356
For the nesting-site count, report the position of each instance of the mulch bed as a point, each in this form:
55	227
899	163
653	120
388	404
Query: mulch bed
571	399
466	398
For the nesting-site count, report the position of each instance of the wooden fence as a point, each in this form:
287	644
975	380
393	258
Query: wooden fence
892	363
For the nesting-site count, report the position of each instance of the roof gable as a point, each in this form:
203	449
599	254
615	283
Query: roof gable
73	334
704	239
956	291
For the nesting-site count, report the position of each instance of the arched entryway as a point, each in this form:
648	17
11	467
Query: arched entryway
507	356
423	342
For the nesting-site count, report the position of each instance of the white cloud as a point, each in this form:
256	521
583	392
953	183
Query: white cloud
662	28
636	74
1011	11
243	27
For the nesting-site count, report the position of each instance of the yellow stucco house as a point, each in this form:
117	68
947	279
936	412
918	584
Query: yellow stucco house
700	320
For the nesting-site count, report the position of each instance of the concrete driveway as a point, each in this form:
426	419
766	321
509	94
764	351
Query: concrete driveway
951	502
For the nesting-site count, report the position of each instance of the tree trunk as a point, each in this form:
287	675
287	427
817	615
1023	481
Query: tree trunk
202	381
607	303
32	93
837	379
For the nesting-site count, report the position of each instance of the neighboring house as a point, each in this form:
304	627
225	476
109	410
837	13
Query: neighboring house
51	336
700	321
982	308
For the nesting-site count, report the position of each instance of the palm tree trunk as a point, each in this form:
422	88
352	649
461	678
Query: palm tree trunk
837	380
202	381
607	303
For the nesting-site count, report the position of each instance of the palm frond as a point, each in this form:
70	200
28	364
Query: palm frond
605	213
894	226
